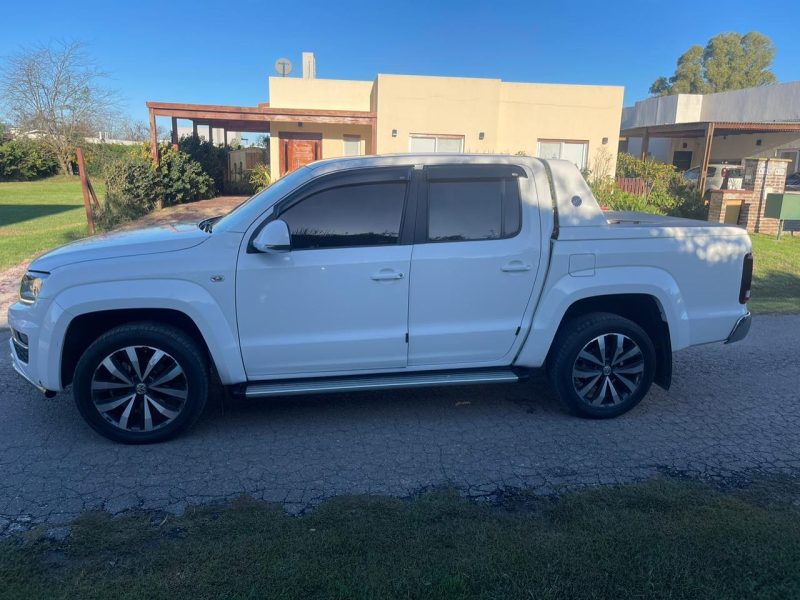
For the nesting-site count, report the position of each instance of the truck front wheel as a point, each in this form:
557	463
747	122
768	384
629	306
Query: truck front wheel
141	383
602	365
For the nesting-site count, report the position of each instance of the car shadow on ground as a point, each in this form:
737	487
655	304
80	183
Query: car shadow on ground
532	396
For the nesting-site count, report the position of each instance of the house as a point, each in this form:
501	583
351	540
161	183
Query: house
758	128
308	118
692	130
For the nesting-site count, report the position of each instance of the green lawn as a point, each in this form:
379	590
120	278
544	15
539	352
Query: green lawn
39	215
776	281
662	539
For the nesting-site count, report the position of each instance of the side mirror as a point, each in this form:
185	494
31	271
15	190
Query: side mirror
273	238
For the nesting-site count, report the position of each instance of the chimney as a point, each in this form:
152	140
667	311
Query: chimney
309	66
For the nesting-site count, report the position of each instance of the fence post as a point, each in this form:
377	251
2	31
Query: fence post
87	190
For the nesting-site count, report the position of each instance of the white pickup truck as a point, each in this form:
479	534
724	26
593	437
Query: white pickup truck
374	273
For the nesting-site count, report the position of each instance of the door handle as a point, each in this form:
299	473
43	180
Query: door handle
386	275
516	266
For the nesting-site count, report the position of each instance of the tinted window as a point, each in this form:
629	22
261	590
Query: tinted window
351	215
473	210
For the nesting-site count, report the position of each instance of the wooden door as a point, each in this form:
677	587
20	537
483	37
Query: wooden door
298	149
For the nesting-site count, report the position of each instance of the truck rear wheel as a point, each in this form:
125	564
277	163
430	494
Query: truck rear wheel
141	383
603	365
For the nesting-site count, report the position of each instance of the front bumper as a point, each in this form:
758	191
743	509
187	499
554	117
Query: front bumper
21	368
34	355
740	330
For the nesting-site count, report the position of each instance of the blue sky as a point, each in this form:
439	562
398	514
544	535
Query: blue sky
222	52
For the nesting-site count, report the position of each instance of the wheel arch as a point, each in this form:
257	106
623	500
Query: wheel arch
649	296
87	327
643	309
87	310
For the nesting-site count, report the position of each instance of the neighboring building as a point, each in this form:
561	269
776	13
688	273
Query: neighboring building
309	118
754	122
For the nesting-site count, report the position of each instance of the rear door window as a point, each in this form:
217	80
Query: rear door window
462	210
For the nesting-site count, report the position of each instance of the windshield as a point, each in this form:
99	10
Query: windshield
265	198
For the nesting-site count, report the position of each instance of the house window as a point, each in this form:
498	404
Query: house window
575	152
435	143
352	145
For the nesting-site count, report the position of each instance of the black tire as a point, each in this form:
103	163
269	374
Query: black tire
573	377
184	399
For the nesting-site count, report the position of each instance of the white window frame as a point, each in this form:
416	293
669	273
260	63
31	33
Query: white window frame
561	150
436	137
355	138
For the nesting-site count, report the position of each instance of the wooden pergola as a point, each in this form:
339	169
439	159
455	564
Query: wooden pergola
249	118
707	130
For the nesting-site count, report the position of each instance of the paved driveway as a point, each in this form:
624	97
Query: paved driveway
733	411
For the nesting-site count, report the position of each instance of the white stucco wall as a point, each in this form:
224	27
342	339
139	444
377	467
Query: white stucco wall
658	148
779	102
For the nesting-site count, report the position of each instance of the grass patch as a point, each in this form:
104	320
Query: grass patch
662	539
39	215
776	275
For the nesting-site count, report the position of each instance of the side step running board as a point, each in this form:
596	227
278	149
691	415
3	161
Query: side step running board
378	382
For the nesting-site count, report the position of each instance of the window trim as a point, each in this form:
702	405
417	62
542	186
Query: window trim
436	137
540	141
351	137
337	179
465	173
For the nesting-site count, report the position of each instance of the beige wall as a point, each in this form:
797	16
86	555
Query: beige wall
513	117
532	112
332	139
319	94
442	105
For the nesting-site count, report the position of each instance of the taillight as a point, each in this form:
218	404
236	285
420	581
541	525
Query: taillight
747	278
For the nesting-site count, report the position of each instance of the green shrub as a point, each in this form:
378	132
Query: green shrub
259	177
616	199
99	156
213	159
23	159
668	193
133	187
183	179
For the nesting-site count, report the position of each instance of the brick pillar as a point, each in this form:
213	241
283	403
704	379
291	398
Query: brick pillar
762	176
723	201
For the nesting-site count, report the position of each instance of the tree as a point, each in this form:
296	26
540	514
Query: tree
729	61
55	90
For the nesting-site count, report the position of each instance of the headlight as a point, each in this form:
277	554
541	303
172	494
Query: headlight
31	286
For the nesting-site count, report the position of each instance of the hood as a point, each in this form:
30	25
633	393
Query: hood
167	238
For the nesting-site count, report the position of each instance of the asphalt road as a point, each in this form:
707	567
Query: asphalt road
733	412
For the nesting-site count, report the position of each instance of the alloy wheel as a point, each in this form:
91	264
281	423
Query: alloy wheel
608	370
139	388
